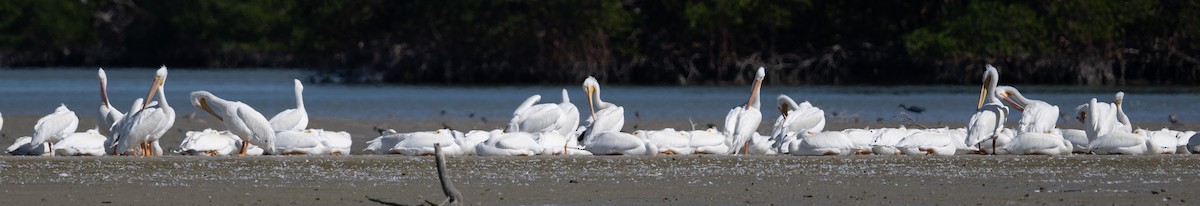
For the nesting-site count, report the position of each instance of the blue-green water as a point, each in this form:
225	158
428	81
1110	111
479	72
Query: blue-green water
38	91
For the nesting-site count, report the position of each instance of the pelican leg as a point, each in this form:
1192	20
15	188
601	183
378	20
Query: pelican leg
994	146
747	148
242	153
51	146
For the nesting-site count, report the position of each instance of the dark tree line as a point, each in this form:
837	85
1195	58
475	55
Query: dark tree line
1091	42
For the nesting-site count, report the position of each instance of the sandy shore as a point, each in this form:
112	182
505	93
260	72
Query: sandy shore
682	180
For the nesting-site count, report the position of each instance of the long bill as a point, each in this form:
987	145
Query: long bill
983	90
591	105
153	89
1015	104
204	106
753	93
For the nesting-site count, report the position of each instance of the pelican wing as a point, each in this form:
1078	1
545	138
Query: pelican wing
262	133
1038	117
1118	140
925	139
54	126
610	119
290	119
1032	141
537	118
984	123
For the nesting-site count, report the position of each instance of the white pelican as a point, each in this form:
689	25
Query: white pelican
422	143
508	144
888	138
990	113
88	143
554	143
1185	142
55	126
862	139
742	121
337	142
241	119
209	143
1162	141
761	145
935	142
537	118
298	142
1078	138
1036	116
147	125
1002	138
797	118
668	140
1126	143
292	119
109	114
22	146
384	143
822	144
606	117
1039	143
708	141
620	143
472	139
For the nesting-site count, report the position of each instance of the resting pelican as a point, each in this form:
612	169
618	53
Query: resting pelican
298	142
508	144
22	146
1078	138
422	143
241	119
384	143
55	126
556	144
742	121
1098	119
708	141
1185	142
337	142
109	115
928	142
147	125
668	140
292	119
1039	143
620	143
990	114
862	139
606	117
1125	143
761	145
822	144
797	118
89	143
472	139
1162	141
1036	116
537	118
887	140
209	143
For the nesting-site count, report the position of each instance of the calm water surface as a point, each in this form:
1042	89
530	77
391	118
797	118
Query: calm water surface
37	92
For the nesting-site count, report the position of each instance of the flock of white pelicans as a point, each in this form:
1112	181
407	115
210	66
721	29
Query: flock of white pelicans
556	129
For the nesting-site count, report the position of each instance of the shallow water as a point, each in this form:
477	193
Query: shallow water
38	91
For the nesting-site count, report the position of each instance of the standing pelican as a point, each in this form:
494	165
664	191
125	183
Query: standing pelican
742	121
147	125
109	115
292	119
55	127
797	118
990	114
240	119
606	117
537	118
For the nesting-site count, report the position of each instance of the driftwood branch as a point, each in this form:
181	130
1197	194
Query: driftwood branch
452	194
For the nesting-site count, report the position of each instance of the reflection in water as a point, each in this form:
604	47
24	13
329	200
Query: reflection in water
37	92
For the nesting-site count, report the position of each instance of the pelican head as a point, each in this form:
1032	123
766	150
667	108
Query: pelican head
785	104
990	78
1120	97
299	86
200	101
1008	93
758	79
591	87
159	78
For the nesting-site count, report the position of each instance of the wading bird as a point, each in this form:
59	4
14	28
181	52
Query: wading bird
988	120
144	127
742	121
606	116
109	115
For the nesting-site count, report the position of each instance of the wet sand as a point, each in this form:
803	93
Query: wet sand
683	180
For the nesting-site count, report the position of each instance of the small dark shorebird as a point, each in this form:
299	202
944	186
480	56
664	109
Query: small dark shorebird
913	109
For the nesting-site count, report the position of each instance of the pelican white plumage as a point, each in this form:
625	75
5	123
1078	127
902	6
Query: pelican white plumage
795	118
1002	138
508	144
472	139
620	143
1038	143
667	140
298	142
240	119
1163	141
88	143
554	143
606	117
1036	116
822	144
336	142
990	114
537	118
422	143
928	142
1	122
209	142
147	125
54	127
708	141
384	143
1113	130
888	138
1078	138
761	145
1187	140
109	114
292	119
742	121
1121	143
23	146
862	139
